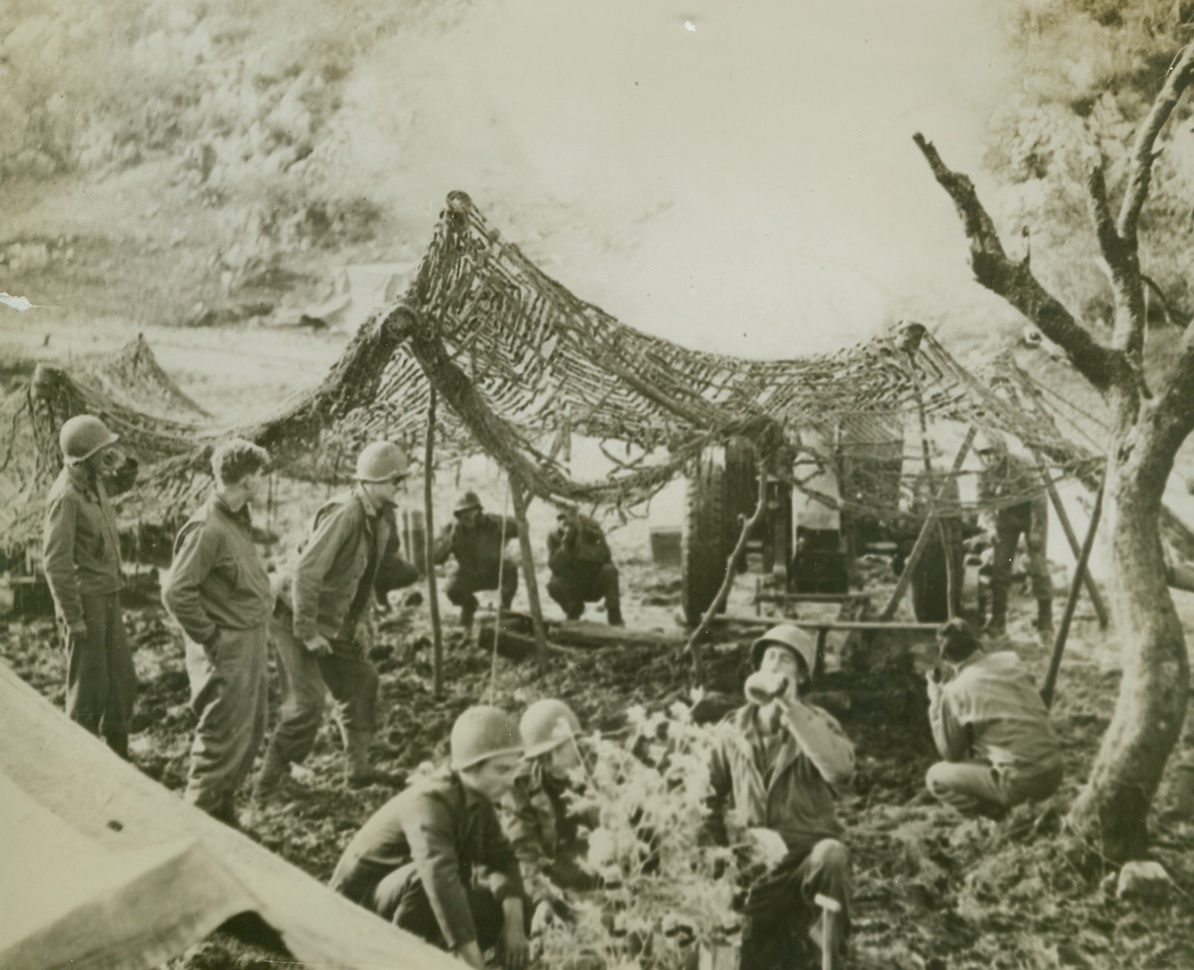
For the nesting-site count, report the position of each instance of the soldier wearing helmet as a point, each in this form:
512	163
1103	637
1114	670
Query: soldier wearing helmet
582	568
351	541
544	830
477	539
218	591
1013	505
434	860
776	764
81	559
990	726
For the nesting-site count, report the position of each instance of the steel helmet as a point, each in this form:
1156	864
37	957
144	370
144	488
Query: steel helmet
786	635
480	733
469	500
546	725
381	461
82	436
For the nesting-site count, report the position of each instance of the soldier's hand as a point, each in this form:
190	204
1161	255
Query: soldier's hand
516	949
319	645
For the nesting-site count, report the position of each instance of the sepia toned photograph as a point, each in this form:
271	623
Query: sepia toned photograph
546	485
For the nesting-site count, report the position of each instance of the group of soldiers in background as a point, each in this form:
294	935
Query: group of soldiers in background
419	860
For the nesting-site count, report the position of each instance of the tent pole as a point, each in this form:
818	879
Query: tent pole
528	567
1067	615
437	633
1096	598
922	540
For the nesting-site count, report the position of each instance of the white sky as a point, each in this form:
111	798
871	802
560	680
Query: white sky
747	186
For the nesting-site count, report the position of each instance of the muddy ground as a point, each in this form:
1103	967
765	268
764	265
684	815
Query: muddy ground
930	891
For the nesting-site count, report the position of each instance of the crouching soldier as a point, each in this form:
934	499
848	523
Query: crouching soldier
81	556
775	766
543	828
991	727
478	541
315	628
219	593
434	861
582	568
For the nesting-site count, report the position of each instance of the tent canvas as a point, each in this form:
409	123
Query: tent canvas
104	868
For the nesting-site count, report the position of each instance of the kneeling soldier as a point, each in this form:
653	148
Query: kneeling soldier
477	539
219	593
582	568
991	727
415	861
776	764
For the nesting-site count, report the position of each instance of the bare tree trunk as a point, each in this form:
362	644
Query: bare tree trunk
1110	815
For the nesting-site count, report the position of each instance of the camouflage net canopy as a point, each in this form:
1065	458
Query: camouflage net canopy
518	365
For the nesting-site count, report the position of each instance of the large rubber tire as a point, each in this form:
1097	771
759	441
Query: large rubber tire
742	492
705	544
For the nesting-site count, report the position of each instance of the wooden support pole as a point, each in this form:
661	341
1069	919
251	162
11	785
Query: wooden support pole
1067	615
528	567
690	652
437	633
926	531
1092	590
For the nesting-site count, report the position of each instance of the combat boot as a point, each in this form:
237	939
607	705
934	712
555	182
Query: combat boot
357	771
275	768
996	624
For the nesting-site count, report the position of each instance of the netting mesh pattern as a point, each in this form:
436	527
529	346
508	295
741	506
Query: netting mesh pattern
519	364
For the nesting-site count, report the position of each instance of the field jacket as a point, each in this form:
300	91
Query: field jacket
446	832
81	545
331	583
992	712
577	546
545	833
478	549
784	791
217	580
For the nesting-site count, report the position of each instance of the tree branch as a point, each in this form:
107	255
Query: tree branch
1014	281
1180	75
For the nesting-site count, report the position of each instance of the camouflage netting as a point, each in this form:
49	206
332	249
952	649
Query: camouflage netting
520	365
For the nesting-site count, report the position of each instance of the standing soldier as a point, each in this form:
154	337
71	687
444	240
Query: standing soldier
219	593
81	557
1003	478
315	628
582	568
478	540
434	861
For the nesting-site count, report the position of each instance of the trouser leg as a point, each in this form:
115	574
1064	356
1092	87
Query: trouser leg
304	693
509	581
228	697
972	789
563	590
781	905
612	591
461	592
401	898
1007	537
354	685
101	682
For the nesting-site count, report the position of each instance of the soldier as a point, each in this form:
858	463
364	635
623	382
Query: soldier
477	539
991	727
543	829
1003	477
582	568
415	862
776	764
219	593
315	628
81	557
